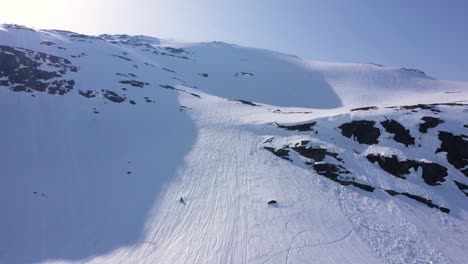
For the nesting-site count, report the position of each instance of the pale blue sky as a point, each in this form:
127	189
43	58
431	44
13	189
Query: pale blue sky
426	34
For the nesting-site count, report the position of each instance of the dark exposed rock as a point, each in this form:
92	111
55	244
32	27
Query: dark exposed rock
169	87
47	43
121	57
362	131
361	186
401	134
87	93
365	108
243	74
132	102
272	202
18	27
75	35
22	69
432	173
277	111
430	107
419	199
315	153
203	74
192	94
175	50
282	153
113	97
429	122
331	171
457	150
392	165
299	127
166	69
245	102
462	187
148	100
134	83
334	172
414	70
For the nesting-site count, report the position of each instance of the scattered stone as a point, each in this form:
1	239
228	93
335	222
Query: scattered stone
203	74
132	102
272	202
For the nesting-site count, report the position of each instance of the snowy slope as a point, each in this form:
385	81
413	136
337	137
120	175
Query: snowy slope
102	135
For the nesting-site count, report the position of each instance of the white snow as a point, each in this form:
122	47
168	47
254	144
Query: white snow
66	195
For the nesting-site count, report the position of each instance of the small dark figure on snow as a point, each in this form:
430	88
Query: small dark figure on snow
182	201
272	203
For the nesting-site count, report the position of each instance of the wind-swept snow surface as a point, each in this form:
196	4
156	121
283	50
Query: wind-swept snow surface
132	149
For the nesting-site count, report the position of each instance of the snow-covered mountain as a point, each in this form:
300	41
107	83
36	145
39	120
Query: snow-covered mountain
133	149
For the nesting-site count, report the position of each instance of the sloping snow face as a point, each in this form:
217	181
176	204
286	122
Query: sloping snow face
133	149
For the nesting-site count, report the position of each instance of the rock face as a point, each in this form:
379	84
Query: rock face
329	163
420	199
401	134
25	70
457	150
429	122
299	127
432	173
113	97
362	131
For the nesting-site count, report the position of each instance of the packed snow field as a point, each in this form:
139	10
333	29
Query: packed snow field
133	149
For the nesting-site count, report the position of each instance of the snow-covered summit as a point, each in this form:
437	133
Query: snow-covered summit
134	149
